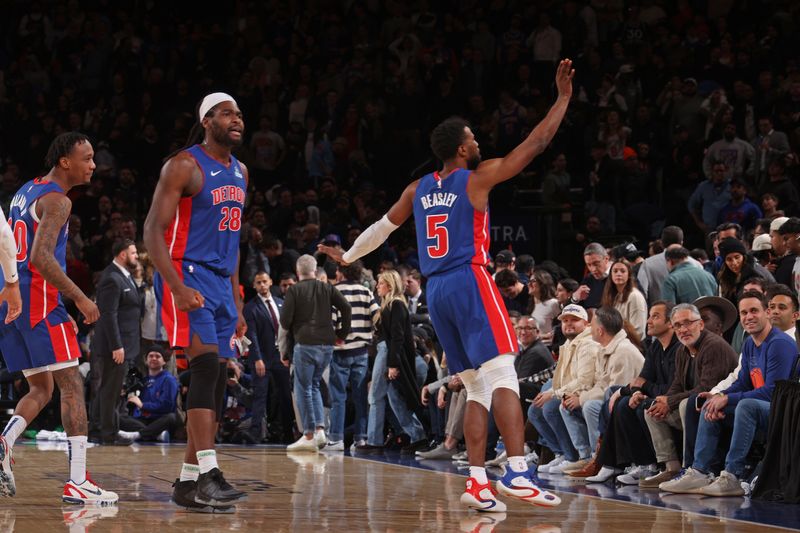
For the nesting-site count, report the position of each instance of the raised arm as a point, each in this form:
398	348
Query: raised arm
494	171
177	178
53	211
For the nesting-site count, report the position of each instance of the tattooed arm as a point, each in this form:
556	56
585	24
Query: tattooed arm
53	211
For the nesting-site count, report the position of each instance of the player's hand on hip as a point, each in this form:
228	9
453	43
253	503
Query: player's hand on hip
564	75
88	309
10	294
334	252
118	355
187	299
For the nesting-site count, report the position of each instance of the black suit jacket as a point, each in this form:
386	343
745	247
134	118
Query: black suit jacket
120	305
260	331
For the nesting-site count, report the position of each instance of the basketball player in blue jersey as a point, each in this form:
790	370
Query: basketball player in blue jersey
450	211
42	342
192	234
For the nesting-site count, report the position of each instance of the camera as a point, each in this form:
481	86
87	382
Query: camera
134	382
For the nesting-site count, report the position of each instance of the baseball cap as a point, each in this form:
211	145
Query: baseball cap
629	153
690	80
332	237
762	242
574	310
776	224
504	257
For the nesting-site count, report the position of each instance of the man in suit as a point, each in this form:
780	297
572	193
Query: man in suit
262	315
116	338
417	301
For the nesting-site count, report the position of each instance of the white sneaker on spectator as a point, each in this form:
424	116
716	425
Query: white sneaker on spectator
320	438
634	473
501	459
690	482
462	456
532	458
337	446
545	469
569	466
303	445
359	442
130	435
163	436
603	475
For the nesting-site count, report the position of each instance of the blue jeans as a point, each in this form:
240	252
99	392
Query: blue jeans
377	397
749	417
348	366
421	368
550	426
582	426
309	364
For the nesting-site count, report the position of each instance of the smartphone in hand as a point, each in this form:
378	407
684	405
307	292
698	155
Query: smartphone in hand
699	401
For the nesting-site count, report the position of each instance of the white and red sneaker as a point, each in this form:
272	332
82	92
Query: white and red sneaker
7	485
88	493
482	497
521	486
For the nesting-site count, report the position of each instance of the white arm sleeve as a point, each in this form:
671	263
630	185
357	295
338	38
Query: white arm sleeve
370	238
8	251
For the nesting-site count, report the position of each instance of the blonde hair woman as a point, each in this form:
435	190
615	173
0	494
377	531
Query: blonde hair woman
394	372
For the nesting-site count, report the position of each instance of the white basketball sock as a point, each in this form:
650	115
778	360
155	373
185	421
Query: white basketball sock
14	429
479	474
207	459
189	472
518	464
77	459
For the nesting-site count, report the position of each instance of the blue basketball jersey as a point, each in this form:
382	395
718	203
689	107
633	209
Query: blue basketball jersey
39	298
450	231
206	226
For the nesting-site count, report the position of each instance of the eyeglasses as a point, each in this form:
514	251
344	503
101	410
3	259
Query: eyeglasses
685	325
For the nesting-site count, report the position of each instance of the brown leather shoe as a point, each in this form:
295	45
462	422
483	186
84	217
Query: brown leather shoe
591	469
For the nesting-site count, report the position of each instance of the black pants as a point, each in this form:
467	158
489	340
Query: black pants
627	439
107	380
281	397
149	429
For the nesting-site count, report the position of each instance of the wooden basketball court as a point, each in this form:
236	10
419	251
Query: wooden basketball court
325	492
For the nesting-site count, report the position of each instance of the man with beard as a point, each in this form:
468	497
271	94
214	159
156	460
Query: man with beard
192	233
115	345
451	214
738	155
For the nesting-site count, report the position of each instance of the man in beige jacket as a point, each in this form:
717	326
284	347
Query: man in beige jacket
574	373
618	362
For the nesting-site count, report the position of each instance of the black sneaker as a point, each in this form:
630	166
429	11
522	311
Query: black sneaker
212	489
414	447
183	496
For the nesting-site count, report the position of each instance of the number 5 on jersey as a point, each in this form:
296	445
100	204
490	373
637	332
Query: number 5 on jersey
437	232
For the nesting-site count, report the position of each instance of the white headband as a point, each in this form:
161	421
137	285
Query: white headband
213	99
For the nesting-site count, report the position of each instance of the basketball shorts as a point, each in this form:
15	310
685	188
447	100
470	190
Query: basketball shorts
49	345
469	317
214	323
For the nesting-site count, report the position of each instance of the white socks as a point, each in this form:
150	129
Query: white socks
77	459
189	472
479	474
14	429
207	460
518	464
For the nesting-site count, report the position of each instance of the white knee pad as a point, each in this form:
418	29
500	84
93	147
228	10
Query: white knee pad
478	390
499	373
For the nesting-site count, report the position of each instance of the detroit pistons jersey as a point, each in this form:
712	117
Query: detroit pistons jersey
39	298
450	231
206	226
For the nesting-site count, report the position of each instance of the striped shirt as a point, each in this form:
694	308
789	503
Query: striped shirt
364	306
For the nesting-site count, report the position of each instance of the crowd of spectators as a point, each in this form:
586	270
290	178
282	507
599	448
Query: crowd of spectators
684	123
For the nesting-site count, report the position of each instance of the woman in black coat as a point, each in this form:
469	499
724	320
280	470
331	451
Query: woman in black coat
394	327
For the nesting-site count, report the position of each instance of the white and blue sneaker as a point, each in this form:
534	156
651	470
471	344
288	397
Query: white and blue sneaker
7	485
88	492
482	497
519	485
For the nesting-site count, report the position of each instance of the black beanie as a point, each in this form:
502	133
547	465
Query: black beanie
729	245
